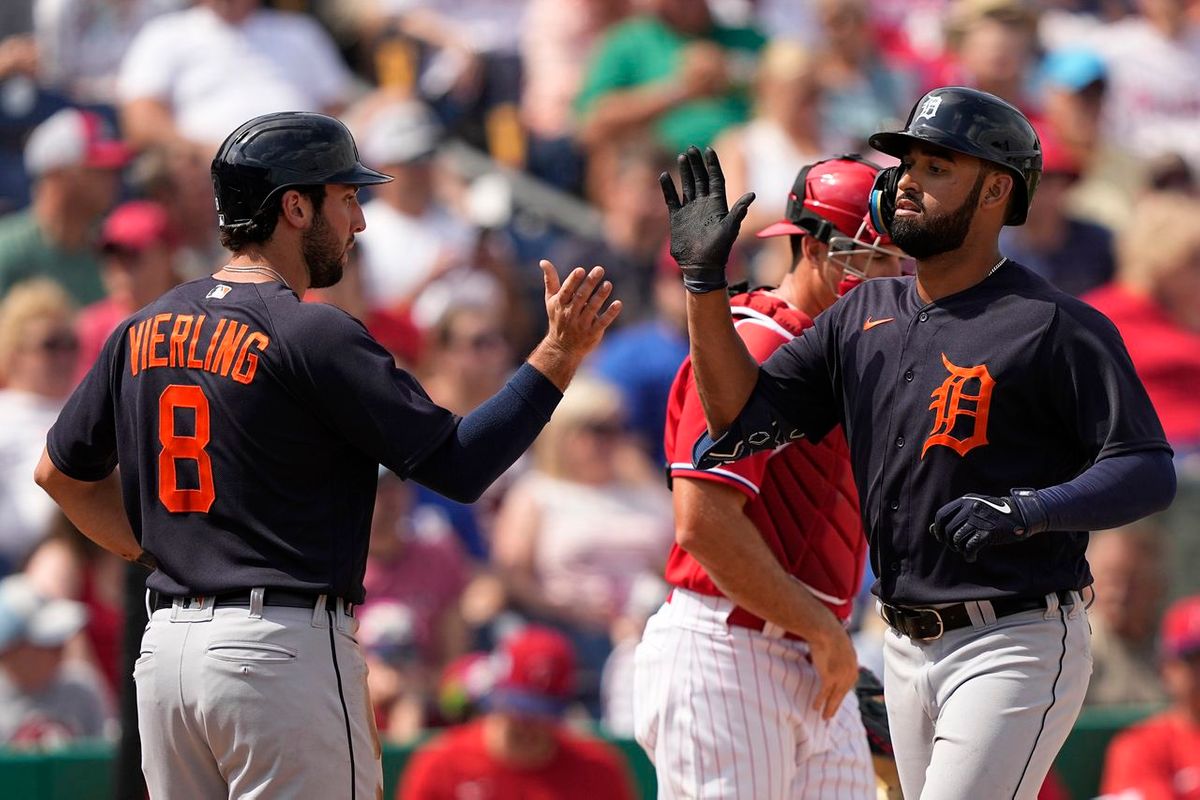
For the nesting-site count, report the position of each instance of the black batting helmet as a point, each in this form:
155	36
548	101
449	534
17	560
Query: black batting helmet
966	121
271	153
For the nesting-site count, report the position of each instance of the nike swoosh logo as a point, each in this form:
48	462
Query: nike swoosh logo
1003	507
871	323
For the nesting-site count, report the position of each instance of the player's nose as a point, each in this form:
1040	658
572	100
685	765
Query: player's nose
358	222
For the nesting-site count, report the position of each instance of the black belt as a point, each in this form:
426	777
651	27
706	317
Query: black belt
288	598
930	623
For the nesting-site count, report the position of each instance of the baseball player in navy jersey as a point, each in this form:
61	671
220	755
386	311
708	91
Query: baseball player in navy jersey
769	554
992	421
249	427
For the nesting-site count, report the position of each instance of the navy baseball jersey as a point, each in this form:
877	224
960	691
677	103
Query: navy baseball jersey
1010	383
249	428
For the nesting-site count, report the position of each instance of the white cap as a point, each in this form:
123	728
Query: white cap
71	138
400	133
26	615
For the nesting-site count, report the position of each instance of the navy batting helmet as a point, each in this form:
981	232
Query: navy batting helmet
271	153
966	121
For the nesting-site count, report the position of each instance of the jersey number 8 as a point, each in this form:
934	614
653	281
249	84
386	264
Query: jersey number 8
184	448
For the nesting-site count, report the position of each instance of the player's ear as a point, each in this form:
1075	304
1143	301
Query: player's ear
296	209
997	189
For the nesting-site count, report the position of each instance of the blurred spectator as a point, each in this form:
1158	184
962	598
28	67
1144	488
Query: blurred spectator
1159	759
394	330
634	226
1074	92
80	42
574	533
411	238
195	75
177	177
137	249
75	163
1153	57
557	39
642	359
38	349
398	683
468	358
1155	304
472	68
45	701
415	561
1128	567
859	91
994	44
66	565
672	71
1074	255
616	682
785	134
519	748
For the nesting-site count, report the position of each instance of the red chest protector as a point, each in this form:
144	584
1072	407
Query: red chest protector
807	508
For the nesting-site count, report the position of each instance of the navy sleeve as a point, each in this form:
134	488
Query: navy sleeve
793	398
1111	493
379	408
489	439
82	443
1096	389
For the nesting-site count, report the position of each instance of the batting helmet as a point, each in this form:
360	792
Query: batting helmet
274	152
966	121
827	197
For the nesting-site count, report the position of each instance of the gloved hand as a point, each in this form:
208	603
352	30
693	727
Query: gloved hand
973	521
703	227
873	711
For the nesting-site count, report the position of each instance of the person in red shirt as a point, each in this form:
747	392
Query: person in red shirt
519	748
1159	759
769	553
1155	304
137	249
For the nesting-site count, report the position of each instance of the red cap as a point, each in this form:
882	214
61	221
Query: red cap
534	672
72	138
833	191
1181	628
135	226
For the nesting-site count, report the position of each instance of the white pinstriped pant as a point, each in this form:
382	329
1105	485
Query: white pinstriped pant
725	712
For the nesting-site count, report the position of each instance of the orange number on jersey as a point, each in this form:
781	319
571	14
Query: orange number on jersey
189	448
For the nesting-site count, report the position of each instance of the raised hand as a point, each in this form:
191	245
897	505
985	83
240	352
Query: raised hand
577	317
703	226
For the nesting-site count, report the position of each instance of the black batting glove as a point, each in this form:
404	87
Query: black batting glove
703	226
974	521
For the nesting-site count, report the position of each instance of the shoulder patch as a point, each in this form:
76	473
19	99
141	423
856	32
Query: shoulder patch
218	292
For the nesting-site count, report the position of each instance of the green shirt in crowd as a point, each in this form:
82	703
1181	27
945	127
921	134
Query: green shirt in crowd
25	253
644	50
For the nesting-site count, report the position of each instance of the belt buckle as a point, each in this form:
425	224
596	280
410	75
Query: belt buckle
941	629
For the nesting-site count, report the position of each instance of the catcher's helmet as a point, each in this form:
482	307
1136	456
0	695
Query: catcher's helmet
271	153
966	121
828	197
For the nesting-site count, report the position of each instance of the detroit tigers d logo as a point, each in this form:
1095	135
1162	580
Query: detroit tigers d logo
960	407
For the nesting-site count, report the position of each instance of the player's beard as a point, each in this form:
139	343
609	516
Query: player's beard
324	254
924	236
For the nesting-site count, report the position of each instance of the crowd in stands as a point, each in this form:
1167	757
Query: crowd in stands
522	129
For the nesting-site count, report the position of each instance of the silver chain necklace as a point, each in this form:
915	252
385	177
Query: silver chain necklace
998	265
262	270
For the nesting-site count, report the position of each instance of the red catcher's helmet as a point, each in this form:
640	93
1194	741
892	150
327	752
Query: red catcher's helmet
866	241
828	197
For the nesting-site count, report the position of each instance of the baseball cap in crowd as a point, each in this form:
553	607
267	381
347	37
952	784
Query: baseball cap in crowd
135	226
73	138
1181	628
387	630
401	133
462	686
1073	68
534	673
26	615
